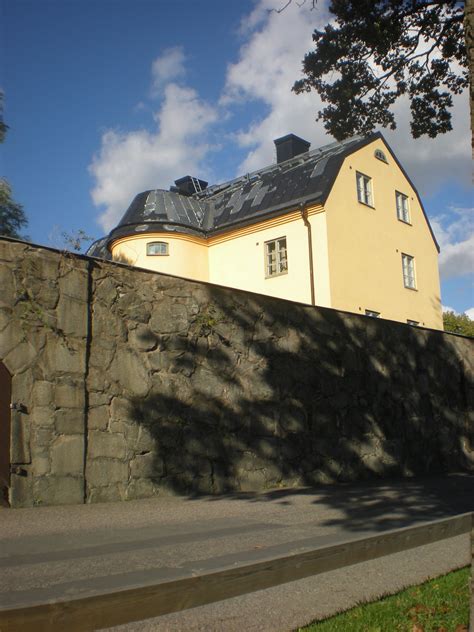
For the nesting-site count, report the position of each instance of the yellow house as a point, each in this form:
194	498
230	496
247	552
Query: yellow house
341	226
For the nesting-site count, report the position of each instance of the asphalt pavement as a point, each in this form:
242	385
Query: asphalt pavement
56	554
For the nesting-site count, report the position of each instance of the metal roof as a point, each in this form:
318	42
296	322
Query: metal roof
306	178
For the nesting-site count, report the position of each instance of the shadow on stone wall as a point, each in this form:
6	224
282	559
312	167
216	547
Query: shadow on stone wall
260	393
134	383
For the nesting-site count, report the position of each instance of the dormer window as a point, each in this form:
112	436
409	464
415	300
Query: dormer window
379	154
157	248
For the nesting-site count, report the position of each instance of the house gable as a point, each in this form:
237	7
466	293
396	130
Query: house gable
367	240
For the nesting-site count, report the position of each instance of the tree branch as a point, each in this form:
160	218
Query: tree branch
298	4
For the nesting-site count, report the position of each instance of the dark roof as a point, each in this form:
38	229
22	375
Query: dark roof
306	178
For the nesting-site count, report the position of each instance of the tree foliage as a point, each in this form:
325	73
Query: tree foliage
3	130
458	324
74	240
379	50
12	216
3	127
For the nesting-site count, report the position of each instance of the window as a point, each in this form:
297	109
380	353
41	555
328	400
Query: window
379	154
364	189
413	323
403	212
276	259
157	248
408	265
371	313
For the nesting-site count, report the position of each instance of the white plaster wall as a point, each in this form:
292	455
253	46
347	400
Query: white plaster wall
240	262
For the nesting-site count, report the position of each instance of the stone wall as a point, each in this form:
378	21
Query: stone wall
43	337
135	383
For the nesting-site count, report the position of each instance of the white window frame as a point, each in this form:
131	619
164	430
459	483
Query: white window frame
162	251
372	313
403	207
365	193
276	257
408	269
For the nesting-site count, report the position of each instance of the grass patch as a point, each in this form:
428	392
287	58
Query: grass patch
439	605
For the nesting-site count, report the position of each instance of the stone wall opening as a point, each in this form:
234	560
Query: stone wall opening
5	432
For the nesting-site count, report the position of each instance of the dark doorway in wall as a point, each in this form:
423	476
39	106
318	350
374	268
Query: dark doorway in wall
5	401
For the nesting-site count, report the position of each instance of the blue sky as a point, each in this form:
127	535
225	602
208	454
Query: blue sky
107	98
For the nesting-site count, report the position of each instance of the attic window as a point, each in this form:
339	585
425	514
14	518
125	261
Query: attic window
378	153
157	248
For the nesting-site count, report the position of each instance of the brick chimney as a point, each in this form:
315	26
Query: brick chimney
189	185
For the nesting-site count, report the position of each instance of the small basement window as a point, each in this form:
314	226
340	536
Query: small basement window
379	154
413	323
371	313
157	248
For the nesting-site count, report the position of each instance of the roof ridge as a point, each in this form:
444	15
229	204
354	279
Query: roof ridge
300	158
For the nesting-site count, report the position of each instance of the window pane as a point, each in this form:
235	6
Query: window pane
360	194
368	192
282	263
405	208
271	265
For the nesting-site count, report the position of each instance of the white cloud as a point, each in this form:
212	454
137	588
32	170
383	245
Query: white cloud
457	259
455	234
167	67
430	162
469	312
269	63
130	162
446	308
271	60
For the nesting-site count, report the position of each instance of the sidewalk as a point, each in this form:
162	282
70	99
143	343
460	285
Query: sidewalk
69	552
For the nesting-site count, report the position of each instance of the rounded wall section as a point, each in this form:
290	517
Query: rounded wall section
181	255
